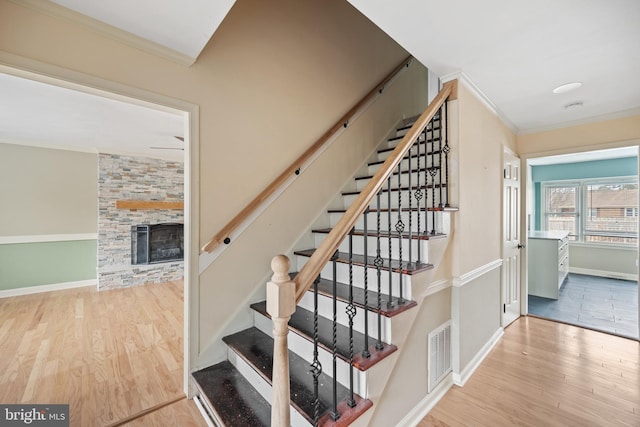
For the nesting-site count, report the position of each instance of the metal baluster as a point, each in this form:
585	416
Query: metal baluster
410	172
433	173
390	303
351	312
418	192
365	352
440	156
400	227
316	367
334	410
428	130
446	149
378	263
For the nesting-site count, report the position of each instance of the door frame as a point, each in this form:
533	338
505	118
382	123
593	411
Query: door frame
51	74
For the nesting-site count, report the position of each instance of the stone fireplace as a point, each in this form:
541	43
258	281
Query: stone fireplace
155	184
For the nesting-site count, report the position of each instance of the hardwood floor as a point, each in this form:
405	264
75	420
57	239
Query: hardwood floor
109	355
544	373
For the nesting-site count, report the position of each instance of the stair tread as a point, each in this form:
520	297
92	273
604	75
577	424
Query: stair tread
301	322
256	348
413	156
421	209
408	268
411	125
398	138
395	174
404	188
231	397
325	287
385	233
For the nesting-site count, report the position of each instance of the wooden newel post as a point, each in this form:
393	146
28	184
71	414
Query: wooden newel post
281	304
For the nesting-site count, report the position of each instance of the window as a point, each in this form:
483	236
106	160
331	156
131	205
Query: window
561	208
610	210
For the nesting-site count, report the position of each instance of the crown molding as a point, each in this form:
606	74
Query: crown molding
109	31
587	121
466	80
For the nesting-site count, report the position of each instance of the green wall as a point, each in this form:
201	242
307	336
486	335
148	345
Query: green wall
33	264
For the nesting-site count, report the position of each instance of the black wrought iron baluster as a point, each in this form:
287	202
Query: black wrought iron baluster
446	149
378	263
316	367
433	171
390	301
410	172
365	352
351	312
427	169
418	192
400	229
440	155
334	410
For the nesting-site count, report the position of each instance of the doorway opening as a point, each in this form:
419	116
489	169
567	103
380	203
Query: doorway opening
582	248
181	142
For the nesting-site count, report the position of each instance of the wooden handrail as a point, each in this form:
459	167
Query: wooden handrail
223	236
321	256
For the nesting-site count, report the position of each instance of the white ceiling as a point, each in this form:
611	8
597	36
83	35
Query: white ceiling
514	52
40	114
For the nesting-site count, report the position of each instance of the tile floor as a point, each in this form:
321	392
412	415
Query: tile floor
599	303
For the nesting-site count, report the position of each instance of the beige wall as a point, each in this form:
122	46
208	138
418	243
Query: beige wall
408	383
47	191
482	137
618	132
274	77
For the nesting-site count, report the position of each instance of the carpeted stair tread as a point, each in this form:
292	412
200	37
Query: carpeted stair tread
302	323
256	348
359	260
231	397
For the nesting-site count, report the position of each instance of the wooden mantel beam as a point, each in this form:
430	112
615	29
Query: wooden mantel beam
148	204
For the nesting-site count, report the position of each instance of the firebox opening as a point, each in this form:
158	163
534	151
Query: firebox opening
156	243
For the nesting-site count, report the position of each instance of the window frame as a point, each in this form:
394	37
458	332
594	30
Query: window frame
583	211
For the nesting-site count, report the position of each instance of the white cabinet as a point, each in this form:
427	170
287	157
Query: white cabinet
548	262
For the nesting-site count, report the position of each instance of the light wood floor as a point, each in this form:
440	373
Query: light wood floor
109	355
544	373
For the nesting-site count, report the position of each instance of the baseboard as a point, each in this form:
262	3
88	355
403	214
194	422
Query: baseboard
461	378
603	273
46	288
415	415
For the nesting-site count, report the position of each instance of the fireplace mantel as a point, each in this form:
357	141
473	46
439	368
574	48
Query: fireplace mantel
148	204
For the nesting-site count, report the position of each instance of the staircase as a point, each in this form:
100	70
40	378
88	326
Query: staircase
343	324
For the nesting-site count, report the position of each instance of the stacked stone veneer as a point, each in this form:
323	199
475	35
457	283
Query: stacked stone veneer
134	178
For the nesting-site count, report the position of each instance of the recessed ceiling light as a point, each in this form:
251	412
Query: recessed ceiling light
573	105
567	87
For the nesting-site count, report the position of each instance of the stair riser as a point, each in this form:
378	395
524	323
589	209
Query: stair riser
358	275
404	164
325	309
358	247
262	386
384	221
304	348
384	200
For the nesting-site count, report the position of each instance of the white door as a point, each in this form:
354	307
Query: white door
511	241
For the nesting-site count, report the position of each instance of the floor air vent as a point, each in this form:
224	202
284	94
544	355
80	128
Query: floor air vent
439	360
